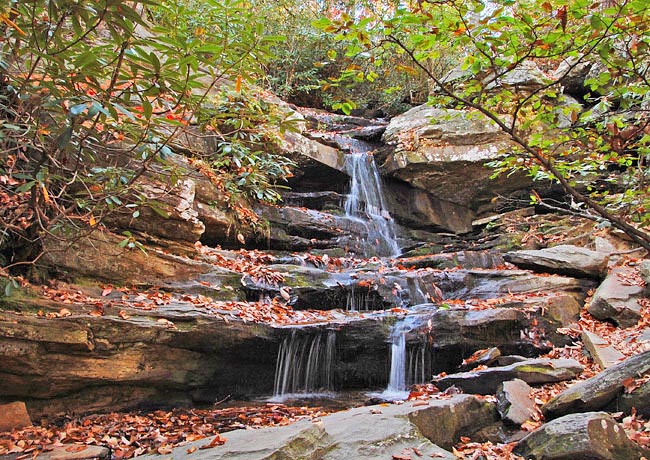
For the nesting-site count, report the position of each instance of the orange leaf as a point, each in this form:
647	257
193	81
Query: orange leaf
238	84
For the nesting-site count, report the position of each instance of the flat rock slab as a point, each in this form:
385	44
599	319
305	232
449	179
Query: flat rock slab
564	259
371	432
590	435
600	350
514	402
616	299
77	452
598	391
14	416
531	371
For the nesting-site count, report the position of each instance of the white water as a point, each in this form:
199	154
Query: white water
406	368
304	365
365	201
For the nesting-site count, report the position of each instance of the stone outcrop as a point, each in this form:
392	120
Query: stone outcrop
617	298
444	152
592	435
598	391
564	259
104	256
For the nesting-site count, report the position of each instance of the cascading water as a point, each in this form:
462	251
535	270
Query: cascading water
365	202
304	364
406	366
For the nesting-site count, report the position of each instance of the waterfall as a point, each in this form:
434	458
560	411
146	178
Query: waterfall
365	202
407	365
397	379
304	364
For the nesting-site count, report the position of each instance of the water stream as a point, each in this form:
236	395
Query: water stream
365	201
304	365
407	366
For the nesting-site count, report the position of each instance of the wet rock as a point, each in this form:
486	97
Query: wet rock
417	208
14	416
617	298
532	371
600	350
564	259
485	284
597	392
592	435
514	402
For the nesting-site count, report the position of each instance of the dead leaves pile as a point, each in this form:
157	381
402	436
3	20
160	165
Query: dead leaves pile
131	434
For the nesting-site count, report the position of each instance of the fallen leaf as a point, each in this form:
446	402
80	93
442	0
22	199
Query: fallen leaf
217	441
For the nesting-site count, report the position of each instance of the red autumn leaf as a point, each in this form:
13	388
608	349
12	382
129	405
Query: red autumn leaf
562	16
217	441
107	290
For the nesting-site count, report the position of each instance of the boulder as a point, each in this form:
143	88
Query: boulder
514	402
616	299
14	416
444	422
531	371
564	259
600	350
591	435
598	391
445	151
